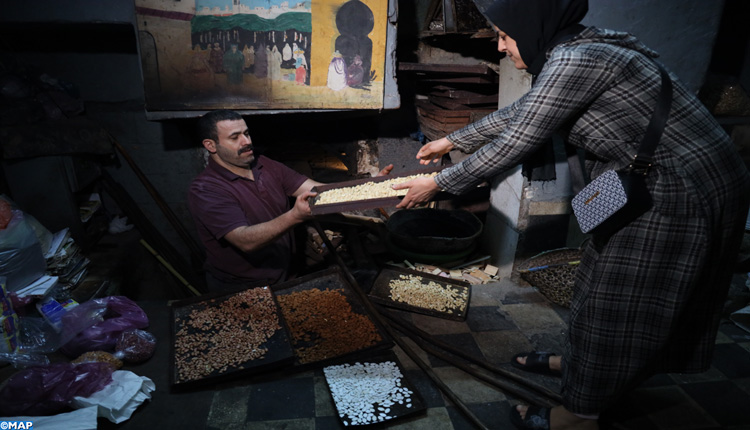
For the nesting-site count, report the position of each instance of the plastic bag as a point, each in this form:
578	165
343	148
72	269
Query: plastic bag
135	346
95	325
37	336
99	357
21	257
21	360
47	390
8	322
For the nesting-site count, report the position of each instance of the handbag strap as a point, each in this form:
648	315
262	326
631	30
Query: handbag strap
644	158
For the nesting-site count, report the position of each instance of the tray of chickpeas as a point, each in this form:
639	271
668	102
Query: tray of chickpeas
366	193
420	292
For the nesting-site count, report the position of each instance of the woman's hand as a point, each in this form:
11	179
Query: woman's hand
421	191
433	151
386	170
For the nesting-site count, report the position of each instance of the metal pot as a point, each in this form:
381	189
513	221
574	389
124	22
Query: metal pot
434	231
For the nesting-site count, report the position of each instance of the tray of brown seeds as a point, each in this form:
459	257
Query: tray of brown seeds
421	292
367	193
327	320
228	335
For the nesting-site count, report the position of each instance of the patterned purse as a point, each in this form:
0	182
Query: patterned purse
617	197
610	201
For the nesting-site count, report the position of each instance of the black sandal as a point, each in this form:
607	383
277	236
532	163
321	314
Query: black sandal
536	362
537	418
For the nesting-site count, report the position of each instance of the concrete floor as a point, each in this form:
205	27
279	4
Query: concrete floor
505	318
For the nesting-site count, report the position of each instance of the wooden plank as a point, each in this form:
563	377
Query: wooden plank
437	110
464	69
455	93
461	79
441	126
466	101
448	120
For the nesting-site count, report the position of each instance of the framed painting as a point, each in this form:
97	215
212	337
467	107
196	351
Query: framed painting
263	54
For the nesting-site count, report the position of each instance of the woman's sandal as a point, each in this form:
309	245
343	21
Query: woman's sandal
537	418
536	362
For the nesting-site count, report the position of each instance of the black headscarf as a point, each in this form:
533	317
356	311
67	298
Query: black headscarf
535	25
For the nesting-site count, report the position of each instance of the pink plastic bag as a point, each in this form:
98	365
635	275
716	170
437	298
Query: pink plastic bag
95	325
48	390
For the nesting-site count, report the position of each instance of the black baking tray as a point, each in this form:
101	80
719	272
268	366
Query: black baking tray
380	293
358	205
397	411
279	347
330	279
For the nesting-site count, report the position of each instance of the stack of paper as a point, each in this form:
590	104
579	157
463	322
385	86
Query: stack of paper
65	260
38	288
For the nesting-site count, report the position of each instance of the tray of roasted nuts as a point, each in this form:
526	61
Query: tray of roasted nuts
327	320
372	390
421	292
367	193
227	335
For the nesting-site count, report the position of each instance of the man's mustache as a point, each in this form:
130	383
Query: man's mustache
245	149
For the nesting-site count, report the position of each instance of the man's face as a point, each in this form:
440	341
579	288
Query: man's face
234	147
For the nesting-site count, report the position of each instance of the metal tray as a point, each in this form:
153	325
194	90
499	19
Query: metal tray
326	280
279	350
396	411
381	293
354	205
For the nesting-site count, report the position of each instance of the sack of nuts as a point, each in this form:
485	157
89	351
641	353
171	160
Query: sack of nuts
135	346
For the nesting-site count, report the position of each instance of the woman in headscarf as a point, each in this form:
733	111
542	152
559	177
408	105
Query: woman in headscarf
648	298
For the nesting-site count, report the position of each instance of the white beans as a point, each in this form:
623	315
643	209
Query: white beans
367	191
364	393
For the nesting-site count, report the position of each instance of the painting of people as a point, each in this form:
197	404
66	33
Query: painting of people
265	54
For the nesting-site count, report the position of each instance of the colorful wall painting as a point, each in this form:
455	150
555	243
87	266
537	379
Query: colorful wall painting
262	54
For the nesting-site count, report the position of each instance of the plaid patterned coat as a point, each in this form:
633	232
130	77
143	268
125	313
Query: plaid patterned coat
650	299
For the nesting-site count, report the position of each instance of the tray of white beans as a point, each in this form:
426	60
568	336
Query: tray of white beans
366	193
372	391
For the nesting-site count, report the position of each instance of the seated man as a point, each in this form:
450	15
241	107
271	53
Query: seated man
241	206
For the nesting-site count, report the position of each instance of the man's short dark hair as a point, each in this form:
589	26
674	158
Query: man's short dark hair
207	123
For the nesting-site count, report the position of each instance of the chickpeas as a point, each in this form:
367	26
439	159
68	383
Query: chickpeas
367	191
411	289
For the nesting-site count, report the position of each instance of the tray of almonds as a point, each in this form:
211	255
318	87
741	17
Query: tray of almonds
367	193
222	336
421	292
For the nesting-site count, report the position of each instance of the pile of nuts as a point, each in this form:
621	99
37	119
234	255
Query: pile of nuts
223	334
323	324
99	357
367	191
135	346
411	290
365	393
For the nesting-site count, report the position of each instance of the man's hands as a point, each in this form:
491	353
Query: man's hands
433	151
301	210
421	191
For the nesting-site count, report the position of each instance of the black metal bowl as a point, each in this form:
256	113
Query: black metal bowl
434	231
